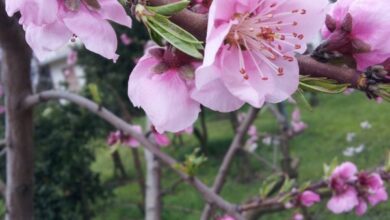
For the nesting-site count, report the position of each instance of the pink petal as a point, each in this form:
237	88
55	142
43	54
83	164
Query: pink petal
161	139
308	198
380	195
164	97
45	39
95	32
344	202
346	170
215	96
361	208
39	12
310	23
114	11
12	6
256	90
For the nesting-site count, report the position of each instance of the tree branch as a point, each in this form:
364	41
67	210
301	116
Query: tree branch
227	160
120	124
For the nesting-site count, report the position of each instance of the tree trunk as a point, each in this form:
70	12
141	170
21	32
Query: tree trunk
153	186
119	169
19	123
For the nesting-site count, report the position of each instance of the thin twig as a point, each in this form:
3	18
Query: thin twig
227	160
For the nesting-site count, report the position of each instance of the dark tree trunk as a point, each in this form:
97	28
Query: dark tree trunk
119	169
19	123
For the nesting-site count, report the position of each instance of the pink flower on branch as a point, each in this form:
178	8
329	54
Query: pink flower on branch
49	25
297	124
161	139
359	28
250	48
308	198
118	137
352	190
371	190
161	83
345	196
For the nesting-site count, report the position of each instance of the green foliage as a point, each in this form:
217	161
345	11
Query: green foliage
169	9
192	163
160	27
321	84
65	185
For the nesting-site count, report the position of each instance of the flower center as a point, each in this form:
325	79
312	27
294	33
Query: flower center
265	34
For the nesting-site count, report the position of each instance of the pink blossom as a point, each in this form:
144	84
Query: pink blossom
298	216
126	40
113	138
296	123
250	47
72	58
225	217
162	88
308	198
345	196
251	144
371	190
252	132
359	28
118	137
49	25
379	100
161	139
2	109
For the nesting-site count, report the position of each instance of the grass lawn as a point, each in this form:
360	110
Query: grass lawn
324	140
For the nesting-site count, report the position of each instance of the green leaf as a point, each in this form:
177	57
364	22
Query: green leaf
268	185
114	148
301	100
155	37
287	185
169	9
175	30
94	90
183	46
192	163
328	169
321	84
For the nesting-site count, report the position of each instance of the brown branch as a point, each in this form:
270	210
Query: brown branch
311	67
120	124
227	160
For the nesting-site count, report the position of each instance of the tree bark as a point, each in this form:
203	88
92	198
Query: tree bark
19	123
153	187
153	202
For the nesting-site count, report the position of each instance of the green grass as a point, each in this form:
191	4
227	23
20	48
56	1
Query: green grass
324	140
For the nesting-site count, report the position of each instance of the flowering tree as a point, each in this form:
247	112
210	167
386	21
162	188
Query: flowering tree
220	54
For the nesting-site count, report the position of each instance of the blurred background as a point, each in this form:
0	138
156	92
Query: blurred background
80	177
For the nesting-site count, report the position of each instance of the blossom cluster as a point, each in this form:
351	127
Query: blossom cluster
50	25
119	137
249	58
353	190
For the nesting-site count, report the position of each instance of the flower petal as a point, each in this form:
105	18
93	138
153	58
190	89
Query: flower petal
344	202
215	96
114	11
95	32
164	97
